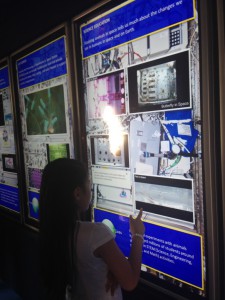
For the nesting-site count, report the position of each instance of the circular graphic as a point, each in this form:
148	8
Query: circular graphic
35	204
108	223
175	149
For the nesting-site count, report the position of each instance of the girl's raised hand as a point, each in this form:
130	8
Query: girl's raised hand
136	225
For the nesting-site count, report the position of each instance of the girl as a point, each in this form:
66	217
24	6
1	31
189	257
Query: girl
81	254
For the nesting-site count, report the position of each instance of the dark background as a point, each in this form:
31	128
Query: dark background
23	21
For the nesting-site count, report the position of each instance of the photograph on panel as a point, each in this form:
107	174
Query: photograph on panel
104	91
9	163
107	61
103	152
160	43
57	150
45	111
163	42
34	177
179	142
165	197
160	85
145	145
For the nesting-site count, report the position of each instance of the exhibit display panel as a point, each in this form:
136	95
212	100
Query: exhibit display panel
44	105
9	192
141	85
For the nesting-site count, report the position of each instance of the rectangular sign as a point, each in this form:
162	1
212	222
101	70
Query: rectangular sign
141	71
111	177
4	78
134	20
44	64
9	197
45	110
9	192
173	252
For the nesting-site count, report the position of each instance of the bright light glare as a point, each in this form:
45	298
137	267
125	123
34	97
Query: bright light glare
108	114
115	137
115	130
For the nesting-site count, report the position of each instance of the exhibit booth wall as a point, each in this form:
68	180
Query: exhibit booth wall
57	67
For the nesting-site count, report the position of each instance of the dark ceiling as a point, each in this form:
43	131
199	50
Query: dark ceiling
23	21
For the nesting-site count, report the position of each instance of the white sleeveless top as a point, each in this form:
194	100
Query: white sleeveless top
92	271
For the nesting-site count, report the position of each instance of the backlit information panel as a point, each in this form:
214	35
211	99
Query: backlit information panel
45	111
9	193
141	82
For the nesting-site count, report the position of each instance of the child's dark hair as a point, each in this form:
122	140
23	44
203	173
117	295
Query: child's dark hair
58	215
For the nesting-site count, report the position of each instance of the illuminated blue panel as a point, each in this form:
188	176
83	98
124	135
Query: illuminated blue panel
44	64
4	78
132	21
172	252
9	197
